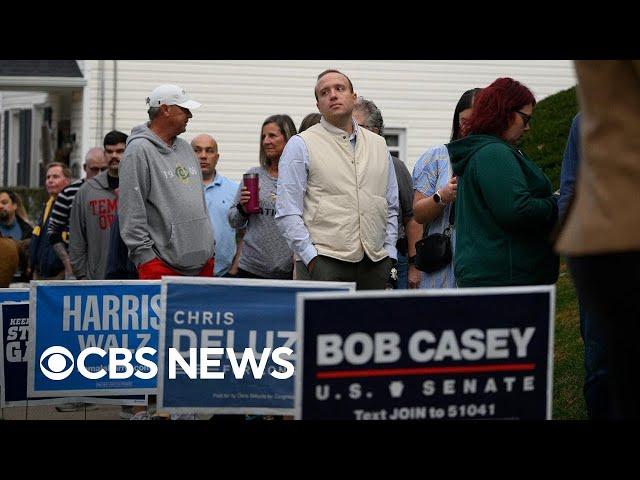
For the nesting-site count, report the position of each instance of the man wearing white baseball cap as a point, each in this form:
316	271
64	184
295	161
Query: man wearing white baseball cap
171	95
163	214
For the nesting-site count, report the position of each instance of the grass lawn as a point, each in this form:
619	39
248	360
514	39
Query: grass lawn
545	144
568	370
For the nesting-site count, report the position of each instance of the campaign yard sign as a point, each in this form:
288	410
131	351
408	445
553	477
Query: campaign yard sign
476	353
14	320
89	335
15	331
14	295
248	320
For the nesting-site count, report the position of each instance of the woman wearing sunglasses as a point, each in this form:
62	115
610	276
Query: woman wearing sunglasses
505	207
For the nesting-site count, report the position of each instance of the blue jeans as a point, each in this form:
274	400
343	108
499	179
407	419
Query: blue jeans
402	268
596	389
608	287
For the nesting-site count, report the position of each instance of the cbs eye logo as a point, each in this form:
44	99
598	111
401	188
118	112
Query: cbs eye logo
55	366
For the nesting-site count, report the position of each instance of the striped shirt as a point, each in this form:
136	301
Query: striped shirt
432	172
59	223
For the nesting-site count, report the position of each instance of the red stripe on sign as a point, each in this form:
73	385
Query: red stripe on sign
393	372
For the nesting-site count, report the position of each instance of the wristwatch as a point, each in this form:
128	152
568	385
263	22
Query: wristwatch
437	197
411	260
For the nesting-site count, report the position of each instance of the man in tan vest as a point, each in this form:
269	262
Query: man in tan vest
337	194
601	236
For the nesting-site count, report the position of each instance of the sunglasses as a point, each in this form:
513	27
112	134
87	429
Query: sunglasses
525	118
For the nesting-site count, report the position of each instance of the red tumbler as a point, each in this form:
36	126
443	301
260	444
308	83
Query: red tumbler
251	181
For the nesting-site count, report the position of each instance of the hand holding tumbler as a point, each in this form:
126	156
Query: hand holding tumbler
251	182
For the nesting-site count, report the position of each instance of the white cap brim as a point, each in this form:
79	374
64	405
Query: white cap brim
189	104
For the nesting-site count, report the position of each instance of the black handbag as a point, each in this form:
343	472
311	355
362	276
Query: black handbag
435	252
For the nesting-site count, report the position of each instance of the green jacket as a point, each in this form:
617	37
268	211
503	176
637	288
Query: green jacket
505	211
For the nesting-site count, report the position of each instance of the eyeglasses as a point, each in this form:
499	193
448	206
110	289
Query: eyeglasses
525	118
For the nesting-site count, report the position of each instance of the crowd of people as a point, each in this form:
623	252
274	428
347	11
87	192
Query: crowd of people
334	204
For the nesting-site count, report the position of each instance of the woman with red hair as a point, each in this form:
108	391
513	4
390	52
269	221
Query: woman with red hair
505	208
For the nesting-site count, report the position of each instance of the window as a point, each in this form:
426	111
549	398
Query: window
12	148
24	149
396	139
5	148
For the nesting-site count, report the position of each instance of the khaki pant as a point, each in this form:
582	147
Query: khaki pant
368	275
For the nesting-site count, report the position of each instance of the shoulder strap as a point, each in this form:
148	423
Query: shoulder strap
452	219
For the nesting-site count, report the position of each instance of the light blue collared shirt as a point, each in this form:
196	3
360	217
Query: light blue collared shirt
292	185
432	172
219	196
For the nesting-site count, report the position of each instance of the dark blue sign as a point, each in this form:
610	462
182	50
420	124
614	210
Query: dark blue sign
76	316
236	314
13	361
426	355
14	366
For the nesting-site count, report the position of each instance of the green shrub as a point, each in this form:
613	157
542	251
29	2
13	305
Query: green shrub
33	199
550	125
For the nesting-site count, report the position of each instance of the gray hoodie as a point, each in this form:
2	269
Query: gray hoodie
162	210
92	213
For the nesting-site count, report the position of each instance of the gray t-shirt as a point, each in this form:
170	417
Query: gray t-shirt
264	251
405	193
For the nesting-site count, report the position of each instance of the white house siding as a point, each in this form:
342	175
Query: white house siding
237	95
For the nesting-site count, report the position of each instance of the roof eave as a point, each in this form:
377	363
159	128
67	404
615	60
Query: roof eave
42	82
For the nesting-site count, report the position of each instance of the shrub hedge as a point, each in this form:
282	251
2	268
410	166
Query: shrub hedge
33	199
550	125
